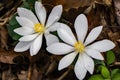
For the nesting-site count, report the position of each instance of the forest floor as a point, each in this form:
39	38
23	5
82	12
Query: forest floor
21	66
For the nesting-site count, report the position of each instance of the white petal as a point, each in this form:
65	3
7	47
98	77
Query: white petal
28	37
23	12
81	27
25	22
79	69
36	45
93	35
58	25
66	37
102	46
24	31
55	26
50	39
54	15
40	11
94	54
59	48
88	63
67	60
22	46
67	29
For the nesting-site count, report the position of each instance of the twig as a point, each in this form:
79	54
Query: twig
115	64
30	70
12	11
51	67
64	75
5	18
3	21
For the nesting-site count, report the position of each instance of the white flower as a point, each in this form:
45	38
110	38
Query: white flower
32	29
85	49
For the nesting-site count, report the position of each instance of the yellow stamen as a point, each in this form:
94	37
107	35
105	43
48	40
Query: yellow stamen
79	47
39	28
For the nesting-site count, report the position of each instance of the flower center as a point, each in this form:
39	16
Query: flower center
79	47
39	28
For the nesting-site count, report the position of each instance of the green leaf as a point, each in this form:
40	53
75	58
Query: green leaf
13	20
105	72
99	62
12	34
25	5
96	77
116	76
29	4
114	71
30	1
13	24
110	56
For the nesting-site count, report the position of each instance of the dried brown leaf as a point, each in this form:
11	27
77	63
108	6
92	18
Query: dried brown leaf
97	13
36	75
107	2
114	36
22	75
3	38
117	10
68	4
8	56
7	75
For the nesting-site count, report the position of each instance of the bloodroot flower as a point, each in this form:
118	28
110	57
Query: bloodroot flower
32	29
84	49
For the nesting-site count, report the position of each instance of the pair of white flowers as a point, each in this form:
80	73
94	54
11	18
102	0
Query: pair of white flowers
33	29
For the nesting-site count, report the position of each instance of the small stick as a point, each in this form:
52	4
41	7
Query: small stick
30	70
117	63
5	18
64	74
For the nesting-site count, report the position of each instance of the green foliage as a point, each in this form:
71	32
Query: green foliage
99	62
29	4
96	77
12	25
110	57
105	72
26	5
31	1
114	72
116	76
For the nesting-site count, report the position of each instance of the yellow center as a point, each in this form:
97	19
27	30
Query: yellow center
39	28
79	47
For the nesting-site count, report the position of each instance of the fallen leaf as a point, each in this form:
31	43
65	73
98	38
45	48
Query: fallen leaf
36	75
11	57
3	38
68	4
22	75
108	2
8	75
117	10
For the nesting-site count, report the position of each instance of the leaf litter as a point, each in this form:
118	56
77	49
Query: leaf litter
43	66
